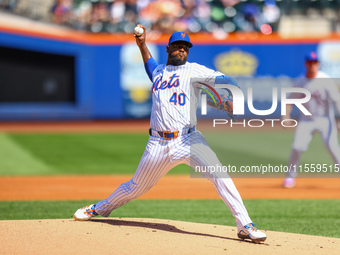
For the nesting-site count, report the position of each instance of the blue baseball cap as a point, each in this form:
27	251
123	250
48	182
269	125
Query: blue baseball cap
180	37
311	56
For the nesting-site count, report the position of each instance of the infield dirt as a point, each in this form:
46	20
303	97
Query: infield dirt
169	187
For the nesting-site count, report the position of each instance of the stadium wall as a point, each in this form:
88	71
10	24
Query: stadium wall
108	80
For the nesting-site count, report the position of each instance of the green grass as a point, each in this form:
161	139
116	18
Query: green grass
18	159
313	217
36	154
55	154
263	148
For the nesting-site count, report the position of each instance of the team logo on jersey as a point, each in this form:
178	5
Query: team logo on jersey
172	82
236	63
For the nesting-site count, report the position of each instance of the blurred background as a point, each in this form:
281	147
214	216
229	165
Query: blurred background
77	59
112	16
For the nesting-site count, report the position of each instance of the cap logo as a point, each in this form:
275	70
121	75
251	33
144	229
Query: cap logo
183	35
313	54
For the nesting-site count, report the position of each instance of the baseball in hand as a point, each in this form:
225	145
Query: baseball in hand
138	31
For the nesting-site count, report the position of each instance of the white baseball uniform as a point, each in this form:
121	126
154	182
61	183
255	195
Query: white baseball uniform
323	93
171	100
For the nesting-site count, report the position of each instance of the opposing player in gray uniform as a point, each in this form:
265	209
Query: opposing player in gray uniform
173	137
323	94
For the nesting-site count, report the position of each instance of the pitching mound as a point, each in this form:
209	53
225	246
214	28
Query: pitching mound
147	236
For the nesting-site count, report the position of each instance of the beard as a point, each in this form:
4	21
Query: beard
177	61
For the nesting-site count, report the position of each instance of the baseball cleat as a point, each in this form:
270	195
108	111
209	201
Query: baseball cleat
85	213
289	183
250	232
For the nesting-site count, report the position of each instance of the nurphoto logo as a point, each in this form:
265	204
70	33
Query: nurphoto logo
239	99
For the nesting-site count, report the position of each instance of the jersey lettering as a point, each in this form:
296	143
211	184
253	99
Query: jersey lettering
173	82
156	83
163	85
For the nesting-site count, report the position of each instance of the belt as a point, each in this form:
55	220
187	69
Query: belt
171	134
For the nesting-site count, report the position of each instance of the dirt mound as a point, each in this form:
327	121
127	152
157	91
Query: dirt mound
147	236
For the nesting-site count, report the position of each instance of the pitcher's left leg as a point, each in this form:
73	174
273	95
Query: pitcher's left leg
202	157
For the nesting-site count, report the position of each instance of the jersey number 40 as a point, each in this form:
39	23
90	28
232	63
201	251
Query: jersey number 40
180	99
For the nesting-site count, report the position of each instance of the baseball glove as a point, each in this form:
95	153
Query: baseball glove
220	99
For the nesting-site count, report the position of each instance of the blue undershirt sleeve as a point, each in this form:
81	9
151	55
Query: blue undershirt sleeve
150	66
222	79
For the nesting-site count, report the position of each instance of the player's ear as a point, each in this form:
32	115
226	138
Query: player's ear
167	49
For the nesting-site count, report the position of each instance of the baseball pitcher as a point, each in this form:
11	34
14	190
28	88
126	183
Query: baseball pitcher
173	137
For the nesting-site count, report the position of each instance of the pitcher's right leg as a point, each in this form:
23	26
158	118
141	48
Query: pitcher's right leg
153	166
